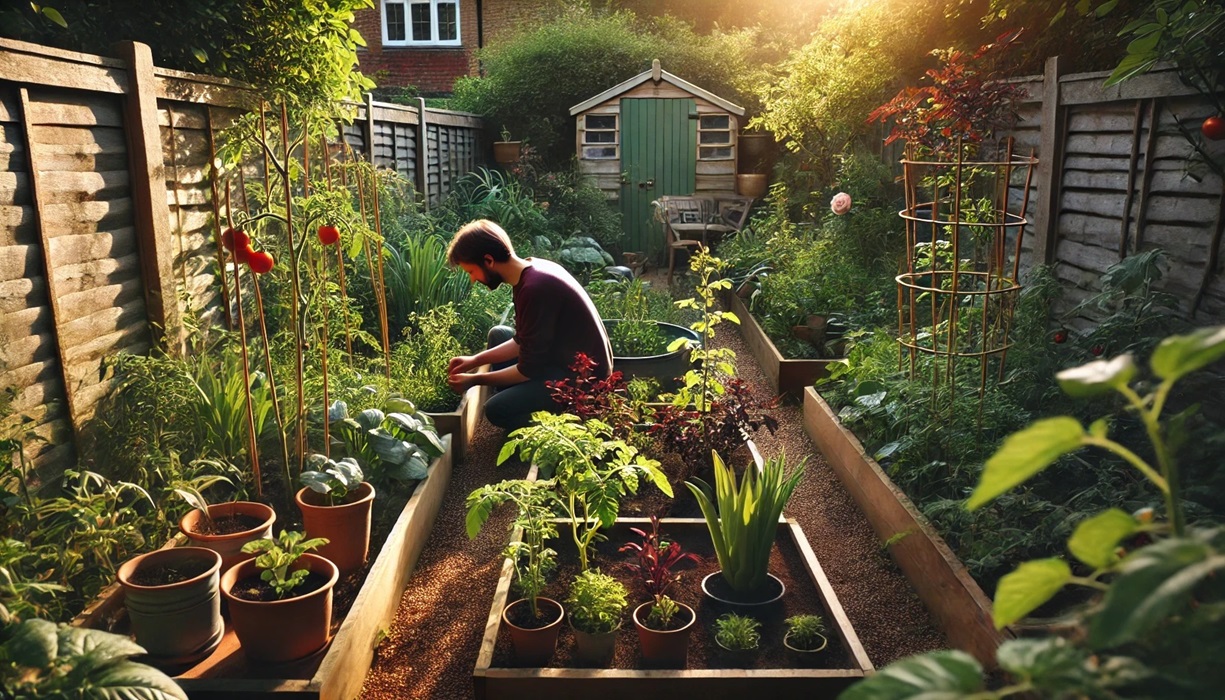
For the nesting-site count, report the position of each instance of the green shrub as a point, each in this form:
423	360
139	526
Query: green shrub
419	362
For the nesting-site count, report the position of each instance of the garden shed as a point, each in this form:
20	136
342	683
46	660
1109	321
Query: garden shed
656	134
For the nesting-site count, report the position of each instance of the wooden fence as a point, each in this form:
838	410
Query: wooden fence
1112	180
106	213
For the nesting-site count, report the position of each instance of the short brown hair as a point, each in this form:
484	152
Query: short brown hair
476	240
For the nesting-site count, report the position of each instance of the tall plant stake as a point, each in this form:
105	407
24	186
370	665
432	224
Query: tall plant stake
299	427
382	285
212	181
252	443
340	256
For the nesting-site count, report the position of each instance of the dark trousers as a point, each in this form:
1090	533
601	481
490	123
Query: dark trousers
511	407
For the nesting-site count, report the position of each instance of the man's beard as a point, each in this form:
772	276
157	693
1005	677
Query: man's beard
491	279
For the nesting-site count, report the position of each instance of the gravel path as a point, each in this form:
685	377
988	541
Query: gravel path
432	646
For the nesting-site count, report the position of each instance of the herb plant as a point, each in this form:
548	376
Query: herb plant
335	479
596	602
738	632
806	632
276	556
743	518
663	611
534	501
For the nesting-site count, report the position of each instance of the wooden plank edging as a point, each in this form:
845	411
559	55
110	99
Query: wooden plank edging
960	608
462	423
785	376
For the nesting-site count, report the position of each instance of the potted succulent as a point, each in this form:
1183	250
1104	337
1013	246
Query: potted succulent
805	634
743	526
506	152
533	621
663	624
281	602
224	528
739	635
596	603
335	504
173	602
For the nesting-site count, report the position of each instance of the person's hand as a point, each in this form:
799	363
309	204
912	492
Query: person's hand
463	363
461	382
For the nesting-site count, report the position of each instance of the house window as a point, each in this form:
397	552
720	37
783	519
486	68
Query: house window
600	136
715	137
421	23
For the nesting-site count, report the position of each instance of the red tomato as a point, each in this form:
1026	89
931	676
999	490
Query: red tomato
1061	336
328	234
1213	128
1097	350
244	252
234	239
260	261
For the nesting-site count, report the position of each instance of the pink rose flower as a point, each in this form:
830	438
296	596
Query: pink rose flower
840	204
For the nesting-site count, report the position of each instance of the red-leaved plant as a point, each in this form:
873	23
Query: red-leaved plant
726	426
588	396
656	559
965	103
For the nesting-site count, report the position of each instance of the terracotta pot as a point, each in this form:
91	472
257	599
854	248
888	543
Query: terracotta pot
772	593
787	643
346	526
230	546
751	184
282	630
535	647
594	649
506	152
175	622
665	649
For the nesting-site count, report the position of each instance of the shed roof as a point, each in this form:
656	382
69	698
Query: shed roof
656	74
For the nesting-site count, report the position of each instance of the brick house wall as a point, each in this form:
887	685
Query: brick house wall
433	70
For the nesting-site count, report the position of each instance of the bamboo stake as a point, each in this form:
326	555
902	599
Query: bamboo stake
340	256
252	443
299	427
212	160
382	285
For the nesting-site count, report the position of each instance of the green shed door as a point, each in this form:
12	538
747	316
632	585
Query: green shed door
659	144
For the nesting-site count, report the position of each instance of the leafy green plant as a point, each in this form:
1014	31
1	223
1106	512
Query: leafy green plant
702	385
591	470
398	445
418	277
737	632
582	256
743	518
596	602
419	362
806	632
336	479
1148	632
534	502
276	556
663	611
57	662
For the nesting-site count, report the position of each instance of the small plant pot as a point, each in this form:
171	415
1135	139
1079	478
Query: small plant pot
507	152
716	588
664	648
751	184
287	629
737	658
535	647
229	546
594	649
346	525
177	622
805	652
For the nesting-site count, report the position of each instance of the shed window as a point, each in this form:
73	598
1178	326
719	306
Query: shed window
600	131
715	137
421	23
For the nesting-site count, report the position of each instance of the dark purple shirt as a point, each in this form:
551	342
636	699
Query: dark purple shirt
555	320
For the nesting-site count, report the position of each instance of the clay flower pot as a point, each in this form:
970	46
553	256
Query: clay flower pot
229	546
506	152
286	629
594	649
664	648
346	525
534	647
752	184
177	622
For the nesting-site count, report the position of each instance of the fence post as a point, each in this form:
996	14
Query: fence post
423	155
1050	165
150	211
370	128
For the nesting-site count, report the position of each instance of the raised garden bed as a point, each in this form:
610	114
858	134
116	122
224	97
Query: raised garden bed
785	376
337	671
960	608
461	423
708	675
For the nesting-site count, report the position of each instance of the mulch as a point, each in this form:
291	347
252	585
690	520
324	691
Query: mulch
431	648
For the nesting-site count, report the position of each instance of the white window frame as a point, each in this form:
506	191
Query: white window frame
408	23
731	138
615	144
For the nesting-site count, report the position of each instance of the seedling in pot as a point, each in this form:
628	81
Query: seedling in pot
334	479
663	612
805	633
596	602
654	568
737	632
276	556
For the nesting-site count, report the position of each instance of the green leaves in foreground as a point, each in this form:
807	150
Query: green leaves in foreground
1024	454
1182	354
1095	540
940	675
1032	584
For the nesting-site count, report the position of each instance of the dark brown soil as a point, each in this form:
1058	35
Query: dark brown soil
166	574
255	588
228	525
432	646
521	615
